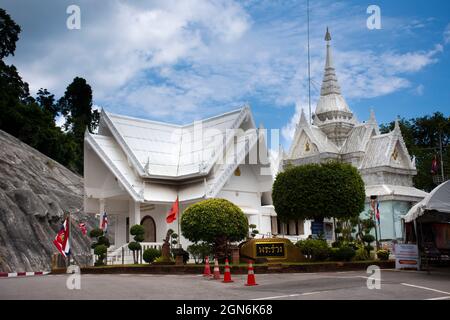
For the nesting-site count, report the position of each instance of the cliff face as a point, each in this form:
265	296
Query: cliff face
35	191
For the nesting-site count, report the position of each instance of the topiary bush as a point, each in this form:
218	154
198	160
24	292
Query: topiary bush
135	247
317	191
100	240
368	239
314	249
138	232
383	255
151	254
100	250
215	221
342	254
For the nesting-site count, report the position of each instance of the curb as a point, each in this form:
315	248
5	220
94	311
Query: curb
306	268
22	274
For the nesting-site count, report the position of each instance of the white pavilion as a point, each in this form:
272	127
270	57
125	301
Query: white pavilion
382	159
134	169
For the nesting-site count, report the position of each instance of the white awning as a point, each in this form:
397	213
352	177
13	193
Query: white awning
438	200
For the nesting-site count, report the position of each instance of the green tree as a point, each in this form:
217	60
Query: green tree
46	101
30	120
215	221
76	107
9	34
318	191
422	138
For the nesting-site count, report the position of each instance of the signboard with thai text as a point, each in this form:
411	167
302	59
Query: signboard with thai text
406	256
270	249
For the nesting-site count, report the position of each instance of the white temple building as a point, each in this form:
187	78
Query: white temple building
382	159
134	169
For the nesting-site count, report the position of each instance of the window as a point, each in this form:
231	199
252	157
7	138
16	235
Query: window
293	228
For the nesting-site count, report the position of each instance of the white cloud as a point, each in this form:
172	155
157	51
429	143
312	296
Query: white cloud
419	90
447	34
178	60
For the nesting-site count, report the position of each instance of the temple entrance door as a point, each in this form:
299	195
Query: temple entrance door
150	229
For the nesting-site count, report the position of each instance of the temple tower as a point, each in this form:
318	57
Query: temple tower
333	116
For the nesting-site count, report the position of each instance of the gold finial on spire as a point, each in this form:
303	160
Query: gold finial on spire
328	36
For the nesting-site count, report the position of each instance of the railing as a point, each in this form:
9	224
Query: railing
123	255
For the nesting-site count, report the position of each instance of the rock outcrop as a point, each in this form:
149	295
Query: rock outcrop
35	191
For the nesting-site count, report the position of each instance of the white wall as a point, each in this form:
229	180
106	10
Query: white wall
245	192
390	218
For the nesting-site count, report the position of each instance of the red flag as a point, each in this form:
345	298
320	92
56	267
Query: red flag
62	239
172	215
434	165
82	227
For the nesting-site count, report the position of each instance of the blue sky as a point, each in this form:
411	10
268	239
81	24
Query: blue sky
183	60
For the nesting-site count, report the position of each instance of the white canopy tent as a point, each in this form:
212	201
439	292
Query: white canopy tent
437	203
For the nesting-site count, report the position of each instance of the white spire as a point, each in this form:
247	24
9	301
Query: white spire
397	126
303	121
333	116
330	83
372	118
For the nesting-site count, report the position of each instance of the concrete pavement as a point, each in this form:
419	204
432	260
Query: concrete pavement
395	285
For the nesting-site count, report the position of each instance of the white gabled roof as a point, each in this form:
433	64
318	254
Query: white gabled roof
113	157
380	149
390	190
164	150
317	136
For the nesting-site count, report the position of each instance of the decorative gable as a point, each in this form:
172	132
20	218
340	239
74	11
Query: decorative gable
398	157
305	147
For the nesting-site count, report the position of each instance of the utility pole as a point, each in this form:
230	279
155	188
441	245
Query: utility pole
309	65
441	155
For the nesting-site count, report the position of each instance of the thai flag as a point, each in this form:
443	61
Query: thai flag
378	212
104	224
61	241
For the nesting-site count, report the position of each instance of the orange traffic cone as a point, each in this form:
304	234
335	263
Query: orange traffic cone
216	270
251	276
227	274
207	271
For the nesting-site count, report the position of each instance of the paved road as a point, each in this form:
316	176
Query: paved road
395	285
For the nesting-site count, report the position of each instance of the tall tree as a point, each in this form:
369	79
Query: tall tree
423	137
76	106
46	101
9	34
21	115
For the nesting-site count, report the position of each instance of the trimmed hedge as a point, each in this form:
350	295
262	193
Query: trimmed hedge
317	191
211	219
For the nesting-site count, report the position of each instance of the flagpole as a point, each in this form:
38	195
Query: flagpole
70	235
179	218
